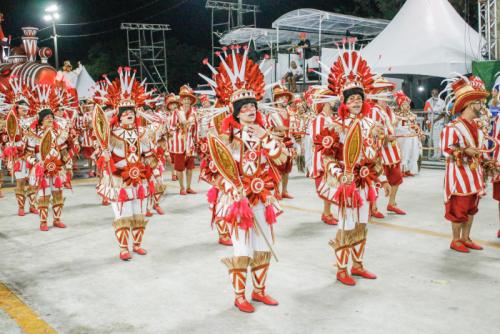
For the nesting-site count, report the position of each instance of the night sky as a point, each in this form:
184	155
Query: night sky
190	21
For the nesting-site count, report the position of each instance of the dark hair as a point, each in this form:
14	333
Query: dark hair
353	91
44	113
240	103
121	110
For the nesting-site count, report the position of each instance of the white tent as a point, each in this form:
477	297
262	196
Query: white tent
426	37
85	85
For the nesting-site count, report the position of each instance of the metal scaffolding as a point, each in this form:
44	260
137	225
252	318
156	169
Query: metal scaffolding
226	16
487	17
146	51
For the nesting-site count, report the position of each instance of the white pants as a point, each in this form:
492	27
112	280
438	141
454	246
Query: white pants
245	247
128	208
410	151
352	216
436	140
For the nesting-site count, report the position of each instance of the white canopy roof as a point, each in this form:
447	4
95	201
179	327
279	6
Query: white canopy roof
426	37
312	20
264	38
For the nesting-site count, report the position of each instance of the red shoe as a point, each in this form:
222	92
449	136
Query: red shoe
377	214
183	192
159	210
263	298
191	191
59	224
139	250
329	220
33	210
20	212
225	241
498	234
344	278
91	173
459	246
244	305
148	213
278	196
105	203
44	227
125	256
287	195
362	273
472	245
395	209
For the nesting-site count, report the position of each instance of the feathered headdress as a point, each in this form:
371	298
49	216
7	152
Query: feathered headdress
42	97
124	91
235	72
13	94
66	100
400	98
461	90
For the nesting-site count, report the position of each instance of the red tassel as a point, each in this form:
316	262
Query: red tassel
372	195
357	201
246	215
203	164
39	171
100	164
212	195
43	184
270	215
17	166
152	189
338	193
58	182
122	197
141	193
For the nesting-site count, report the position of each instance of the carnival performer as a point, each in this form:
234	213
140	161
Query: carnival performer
322	102
127	156
462	143
14	98
183	127
278	123
86	140
408	134
298	126
435	116
156	125
390	152
47	151
350	155
217	199
172	104
246	156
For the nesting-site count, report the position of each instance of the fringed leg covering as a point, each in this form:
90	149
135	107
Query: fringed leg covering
238	268
138	228
122	231
43	211
57	206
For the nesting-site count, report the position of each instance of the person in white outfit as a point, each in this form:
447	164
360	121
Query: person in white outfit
434	119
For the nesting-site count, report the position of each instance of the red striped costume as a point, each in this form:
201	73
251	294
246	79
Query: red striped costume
496	157
390	152
183	130
464	175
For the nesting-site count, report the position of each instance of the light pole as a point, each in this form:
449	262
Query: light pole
52	15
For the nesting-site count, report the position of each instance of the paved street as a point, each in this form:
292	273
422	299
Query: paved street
75	282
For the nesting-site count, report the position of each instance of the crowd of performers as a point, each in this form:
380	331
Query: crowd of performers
355	137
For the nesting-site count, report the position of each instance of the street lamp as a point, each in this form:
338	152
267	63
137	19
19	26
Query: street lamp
52	15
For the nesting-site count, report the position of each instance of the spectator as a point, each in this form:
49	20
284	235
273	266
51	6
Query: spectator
293	74
434	121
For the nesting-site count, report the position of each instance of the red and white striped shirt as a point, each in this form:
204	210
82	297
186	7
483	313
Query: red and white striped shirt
462	177
183	129
496	153
390	152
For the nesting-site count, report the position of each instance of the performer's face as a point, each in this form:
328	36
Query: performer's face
405	106
248	113
283	100
477	107
354	104
22	109
186	101
48	121
206	104
128	117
